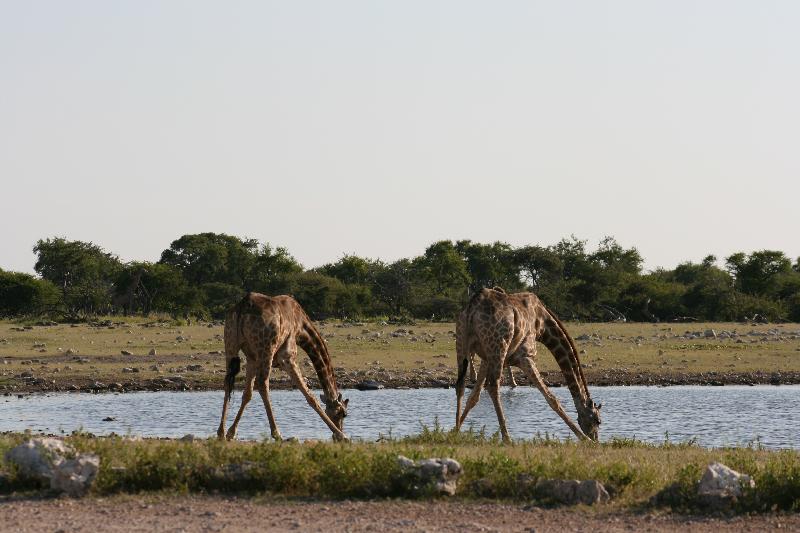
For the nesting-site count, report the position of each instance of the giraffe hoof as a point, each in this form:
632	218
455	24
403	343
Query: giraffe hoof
231	435
277	437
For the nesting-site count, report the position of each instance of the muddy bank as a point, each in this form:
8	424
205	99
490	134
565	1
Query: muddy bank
407	380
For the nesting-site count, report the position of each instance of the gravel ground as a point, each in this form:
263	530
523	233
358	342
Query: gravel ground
215	513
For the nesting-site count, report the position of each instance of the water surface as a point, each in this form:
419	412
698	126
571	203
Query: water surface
714	416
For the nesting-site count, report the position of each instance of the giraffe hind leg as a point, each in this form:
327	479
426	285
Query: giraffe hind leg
474	396
511	381
234	366
463	365
247	394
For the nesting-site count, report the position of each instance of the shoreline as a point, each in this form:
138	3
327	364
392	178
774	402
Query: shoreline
410	380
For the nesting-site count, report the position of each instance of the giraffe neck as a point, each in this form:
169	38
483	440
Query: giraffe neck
563	349
316	348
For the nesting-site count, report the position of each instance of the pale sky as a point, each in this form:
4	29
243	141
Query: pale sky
377	128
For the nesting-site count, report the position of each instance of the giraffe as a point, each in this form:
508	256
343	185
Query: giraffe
502	329
268	330
473	375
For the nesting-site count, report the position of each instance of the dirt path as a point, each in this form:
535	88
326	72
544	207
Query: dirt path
210	513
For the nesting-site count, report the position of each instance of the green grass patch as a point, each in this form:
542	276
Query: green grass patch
633	472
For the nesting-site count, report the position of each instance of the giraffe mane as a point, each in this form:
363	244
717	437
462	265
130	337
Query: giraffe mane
574	349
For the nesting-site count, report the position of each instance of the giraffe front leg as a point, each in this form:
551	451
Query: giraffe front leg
493	387
247	394
290	366
529	367
263	390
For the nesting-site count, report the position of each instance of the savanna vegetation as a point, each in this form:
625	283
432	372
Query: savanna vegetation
202	274
636	474
79	356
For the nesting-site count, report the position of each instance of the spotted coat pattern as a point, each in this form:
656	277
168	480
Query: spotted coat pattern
503	330
268	331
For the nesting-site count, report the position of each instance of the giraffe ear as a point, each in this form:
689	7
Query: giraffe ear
346	401
599	406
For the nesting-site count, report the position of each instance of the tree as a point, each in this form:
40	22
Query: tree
538	266
393	286
271	271
323	296
212	257
23	294
572	255
352	269
443	266
490	265
84	272
756	274
653	298
710	294
219	297
161	288
611	256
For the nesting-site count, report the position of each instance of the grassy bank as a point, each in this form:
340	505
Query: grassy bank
632	471
61	357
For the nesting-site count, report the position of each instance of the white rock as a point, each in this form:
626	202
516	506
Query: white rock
43	459
75	476
720	481
37	457
439	474
573	491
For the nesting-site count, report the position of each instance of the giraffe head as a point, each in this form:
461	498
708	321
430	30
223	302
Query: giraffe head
589	419
336	409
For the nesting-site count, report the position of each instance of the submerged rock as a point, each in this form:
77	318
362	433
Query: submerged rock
368	384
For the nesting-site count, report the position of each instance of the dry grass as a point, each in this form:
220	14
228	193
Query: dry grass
649	349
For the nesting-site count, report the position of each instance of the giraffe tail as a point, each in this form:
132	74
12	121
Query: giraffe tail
462	352
233	341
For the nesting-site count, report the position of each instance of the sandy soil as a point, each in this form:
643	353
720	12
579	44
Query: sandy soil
210	513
